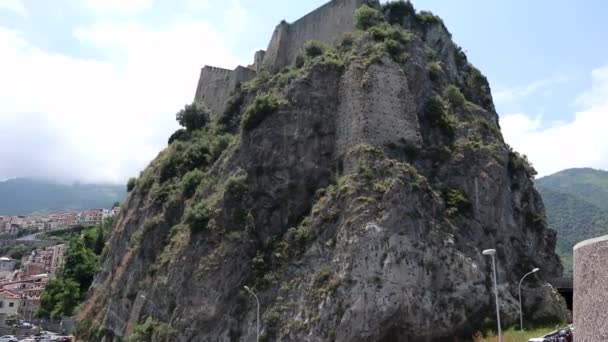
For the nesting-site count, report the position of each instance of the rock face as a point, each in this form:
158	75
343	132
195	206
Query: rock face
355	198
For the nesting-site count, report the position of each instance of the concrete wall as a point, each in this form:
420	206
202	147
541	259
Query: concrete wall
216	84
327	23
591	290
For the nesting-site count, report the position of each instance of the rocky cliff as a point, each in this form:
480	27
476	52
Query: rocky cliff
353	192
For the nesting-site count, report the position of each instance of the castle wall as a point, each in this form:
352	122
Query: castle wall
376	107
591	290
326	24
216	84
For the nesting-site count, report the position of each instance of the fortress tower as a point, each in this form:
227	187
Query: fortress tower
326	24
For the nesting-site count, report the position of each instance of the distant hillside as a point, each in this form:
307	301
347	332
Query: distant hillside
577	207
26	196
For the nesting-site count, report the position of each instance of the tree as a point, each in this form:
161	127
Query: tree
193	117
80	264
100	242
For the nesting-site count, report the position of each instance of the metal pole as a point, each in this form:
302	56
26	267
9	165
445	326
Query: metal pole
258	315
496	295
521	315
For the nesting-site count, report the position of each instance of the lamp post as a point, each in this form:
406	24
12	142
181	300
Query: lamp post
258	315
492	252
153	306
521	315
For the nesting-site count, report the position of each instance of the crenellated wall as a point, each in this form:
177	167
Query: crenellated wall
326	24
216	84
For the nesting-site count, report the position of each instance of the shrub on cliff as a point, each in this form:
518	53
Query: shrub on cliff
427	17
395	11
131	184
190	182
262	107
454	96
314	48
197	216
193	117
457	202
366	17
436	114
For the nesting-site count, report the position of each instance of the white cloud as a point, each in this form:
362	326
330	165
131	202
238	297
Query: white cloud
581	142
510	94
15	6
119	7
100	119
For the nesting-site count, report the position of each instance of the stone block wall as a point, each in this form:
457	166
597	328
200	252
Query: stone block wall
376	107
216	84
326	24
591	290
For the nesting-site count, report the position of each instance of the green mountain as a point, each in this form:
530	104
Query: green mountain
576	201
25	196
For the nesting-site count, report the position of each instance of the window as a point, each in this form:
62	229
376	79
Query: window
10	305
1	304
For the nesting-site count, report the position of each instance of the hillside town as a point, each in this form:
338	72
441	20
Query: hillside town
23	281
13	225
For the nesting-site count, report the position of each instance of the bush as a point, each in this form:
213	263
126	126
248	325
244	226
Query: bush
458	201
193	117
395	11
520	163
131	184
262	107
233	108
435	70
437	116
314	48
190	181
198	216
392	47
454	96
366	17
236	185
181	135
427	17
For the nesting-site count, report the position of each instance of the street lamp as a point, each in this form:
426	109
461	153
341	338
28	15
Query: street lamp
492	252
521	315
153	306
258	316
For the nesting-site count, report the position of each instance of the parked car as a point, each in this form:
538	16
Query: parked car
8	338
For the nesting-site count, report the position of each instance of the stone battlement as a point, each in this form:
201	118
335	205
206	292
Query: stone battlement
326	24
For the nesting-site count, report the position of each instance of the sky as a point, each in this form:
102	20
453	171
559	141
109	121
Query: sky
89	88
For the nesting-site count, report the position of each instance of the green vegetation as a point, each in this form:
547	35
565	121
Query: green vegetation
519	164
395	11
576	202
193	117
197	216
83	256
190	182
151	330
428	18
131	184
366	17
16	251
515	335
457	202
454	96
435	70
438	116
315	48
262	107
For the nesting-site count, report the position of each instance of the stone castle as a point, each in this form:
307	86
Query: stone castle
325	24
